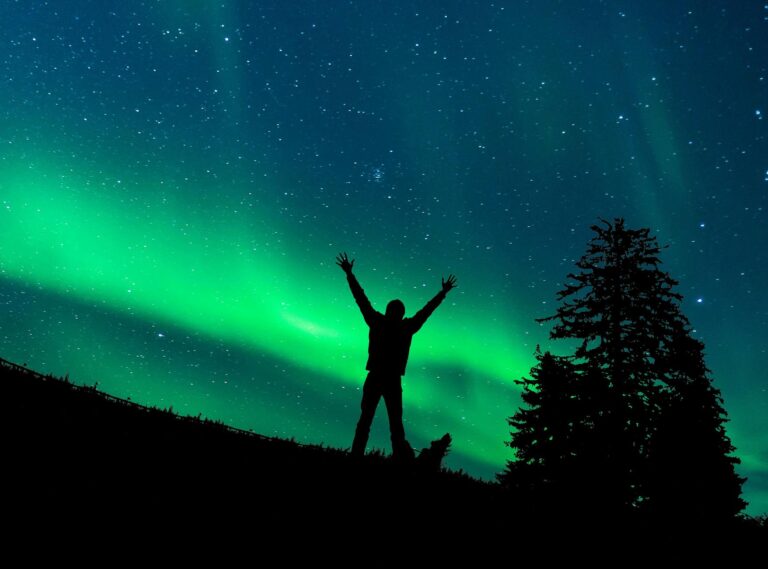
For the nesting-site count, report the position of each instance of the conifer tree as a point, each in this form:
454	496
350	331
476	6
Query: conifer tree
543	431
605	419
616	305
554	436
691	470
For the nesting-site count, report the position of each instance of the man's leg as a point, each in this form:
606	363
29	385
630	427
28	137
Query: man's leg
371	396
393	398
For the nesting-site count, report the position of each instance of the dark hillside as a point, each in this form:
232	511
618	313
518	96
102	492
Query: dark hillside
74	449
77	459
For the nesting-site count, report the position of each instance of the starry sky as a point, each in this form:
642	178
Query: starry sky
176	178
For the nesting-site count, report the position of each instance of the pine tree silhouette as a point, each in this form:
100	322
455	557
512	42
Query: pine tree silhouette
549	434
691	471
606	424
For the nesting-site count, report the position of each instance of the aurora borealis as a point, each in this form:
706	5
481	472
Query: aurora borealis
177	177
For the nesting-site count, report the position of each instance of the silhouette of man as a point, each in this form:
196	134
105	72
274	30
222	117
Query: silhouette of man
389	341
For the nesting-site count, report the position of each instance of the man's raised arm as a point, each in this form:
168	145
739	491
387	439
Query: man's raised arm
421	316
357	291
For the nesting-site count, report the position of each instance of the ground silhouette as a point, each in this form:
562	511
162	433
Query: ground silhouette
101	470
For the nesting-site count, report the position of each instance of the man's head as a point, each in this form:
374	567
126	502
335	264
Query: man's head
395	310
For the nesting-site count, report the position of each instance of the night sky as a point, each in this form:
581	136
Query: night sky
177	177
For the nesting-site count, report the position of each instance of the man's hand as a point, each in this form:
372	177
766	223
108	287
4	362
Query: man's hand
449	283
343	261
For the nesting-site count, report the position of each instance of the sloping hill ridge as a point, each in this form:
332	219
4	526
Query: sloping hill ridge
75	457
75	449
76	433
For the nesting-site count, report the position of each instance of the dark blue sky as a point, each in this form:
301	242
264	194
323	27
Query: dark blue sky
177	177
